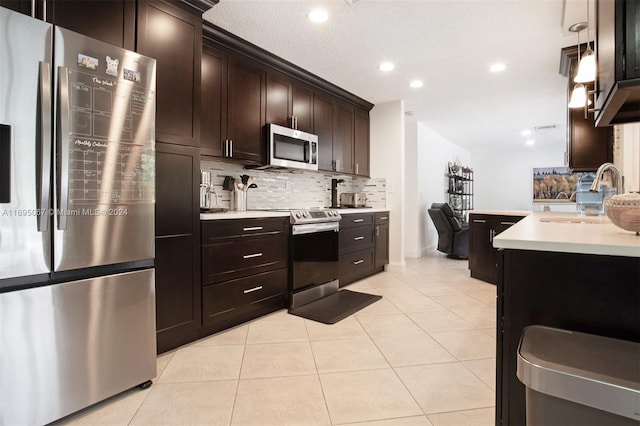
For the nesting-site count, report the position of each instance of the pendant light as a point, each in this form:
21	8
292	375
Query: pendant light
587	66
579	92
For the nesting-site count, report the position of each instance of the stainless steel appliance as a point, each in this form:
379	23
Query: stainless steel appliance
205	189
290	148
313	265
353	199
77	293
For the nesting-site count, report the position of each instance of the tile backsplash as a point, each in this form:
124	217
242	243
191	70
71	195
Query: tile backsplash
279	189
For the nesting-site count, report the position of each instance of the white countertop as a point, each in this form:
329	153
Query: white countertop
501	212
599	236
252	214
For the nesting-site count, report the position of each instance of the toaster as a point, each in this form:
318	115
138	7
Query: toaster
353	199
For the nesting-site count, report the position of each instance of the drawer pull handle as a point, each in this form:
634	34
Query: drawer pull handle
358	220
384	218
251	290
507	223
253	228
358	238
358	262
479	221
249	256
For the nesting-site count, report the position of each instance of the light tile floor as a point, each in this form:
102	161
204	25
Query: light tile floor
423	355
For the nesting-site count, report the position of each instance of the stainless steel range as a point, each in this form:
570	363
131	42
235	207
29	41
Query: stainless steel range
313	269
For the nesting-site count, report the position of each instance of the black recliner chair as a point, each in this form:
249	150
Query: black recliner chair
453	237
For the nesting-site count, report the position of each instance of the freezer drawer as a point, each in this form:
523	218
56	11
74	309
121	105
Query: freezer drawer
67	346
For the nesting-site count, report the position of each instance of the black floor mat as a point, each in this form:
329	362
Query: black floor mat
335	307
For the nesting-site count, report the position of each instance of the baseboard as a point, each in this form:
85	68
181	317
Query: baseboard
396	267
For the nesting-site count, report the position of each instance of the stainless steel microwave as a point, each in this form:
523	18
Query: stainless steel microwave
291	148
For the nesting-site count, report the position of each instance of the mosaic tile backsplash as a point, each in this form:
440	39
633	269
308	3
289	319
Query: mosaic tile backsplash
289	189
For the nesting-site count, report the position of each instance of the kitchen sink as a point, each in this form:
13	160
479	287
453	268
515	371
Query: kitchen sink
595	219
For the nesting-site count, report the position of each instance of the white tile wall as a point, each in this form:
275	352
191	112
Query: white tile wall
278	189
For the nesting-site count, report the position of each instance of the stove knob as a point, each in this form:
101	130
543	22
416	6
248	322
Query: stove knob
298	215
307	214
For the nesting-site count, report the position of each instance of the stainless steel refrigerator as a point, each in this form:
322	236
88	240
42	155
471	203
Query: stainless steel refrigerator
77	194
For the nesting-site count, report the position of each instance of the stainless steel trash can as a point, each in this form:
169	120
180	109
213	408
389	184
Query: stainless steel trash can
575	378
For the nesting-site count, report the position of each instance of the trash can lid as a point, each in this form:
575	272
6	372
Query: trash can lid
596	371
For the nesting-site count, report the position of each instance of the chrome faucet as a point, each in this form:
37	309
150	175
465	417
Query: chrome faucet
616	175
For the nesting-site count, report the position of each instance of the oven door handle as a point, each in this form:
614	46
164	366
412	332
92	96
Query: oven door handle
311	228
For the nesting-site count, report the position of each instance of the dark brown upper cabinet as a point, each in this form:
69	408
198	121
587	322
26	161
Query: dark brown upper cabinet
233	105
361	142
323	127
617	50
111	21
302	107
289	103
245	106
587	146
214	103
343	117
174	38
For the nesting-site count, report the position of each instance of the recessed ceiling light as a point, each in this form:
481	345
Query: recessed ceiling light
318	16
525	132
416	83
530	142
498	67
386	66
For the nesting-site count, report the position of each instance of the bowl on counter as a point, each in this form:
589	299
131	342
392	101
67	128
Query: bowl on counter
624	211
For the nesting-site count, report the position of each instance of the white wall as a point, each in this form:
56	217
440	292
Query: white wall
388	161
627	155
503	179
429	154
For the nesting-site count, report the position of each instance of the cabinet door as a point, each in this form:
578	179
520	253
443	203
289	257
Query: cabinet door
382	245
174	38
111	21
214	102
589	146
177	261
481	252
343	138
361	142
178	312
323	127
279	95
245	108
302	107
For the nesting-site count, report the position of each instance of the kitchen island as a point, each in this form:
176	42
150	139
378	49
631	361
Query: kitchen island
566	271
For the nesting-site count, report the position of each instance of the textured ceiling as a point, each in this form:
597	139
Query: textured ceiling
448	44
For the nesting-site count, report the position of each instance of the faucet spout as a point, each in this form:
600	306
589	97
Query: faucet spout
617	178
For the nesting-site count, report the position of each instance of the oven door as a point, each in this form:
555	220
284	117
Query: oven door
314	254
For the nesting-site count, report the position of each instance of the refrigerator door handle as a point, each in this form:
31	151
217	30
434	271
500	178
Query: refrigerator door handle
62	141
43	136
5	163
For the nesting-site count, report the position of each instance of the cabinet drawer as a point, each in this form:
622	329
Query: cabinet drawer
356	219
381	218
353	239
227	228
234	259
224	298
356	263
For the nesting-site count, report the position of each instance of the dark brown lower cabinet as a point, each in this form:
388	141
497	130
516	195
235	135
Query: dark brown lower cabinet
244	270
381	247
483	228
178	295
364	245
587	293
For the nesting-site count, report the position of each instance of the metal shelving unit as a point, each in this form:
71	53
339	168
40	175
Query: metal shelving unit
460	191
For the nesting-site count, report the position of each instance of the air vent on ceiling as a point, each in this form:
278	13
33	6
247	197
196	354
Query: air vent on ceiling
548	127
409	113
350	2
